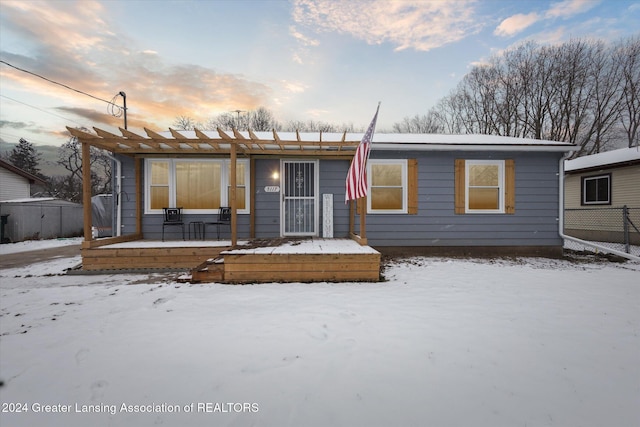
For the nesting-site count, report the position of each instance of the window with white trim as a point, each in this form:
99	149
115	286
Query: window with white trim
596	190
196	185
484	185
387	186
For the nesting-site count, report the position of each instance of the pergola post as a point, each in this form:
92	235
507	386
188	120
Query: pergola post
232	196
86	191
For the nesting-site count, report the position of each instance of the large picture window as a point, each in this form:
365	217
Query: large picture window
388	186
596	190
198	186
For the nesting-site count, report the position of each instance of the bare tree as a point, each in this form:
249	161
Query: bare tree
70	186
582	92
428	123
184	123
627	54
261	119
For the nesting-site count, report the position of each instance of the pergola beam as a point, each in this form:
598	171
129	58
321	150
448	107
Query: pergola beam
133	144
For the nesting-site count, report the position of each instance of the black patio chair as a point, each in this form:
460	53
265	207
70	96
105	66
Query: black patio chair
172	216
224	219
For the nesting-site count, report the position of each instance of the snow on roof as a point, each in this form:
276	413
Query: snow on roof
603	159
30	200
398	139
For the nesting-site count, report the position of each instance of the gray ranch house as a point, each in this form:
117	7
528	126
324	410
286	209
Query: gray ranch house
438	194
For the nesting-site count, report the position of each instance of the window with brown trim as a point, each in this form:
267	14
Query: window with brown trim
393	186
484	186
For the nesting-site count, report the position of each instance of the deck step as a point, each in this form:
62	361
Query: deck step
212	270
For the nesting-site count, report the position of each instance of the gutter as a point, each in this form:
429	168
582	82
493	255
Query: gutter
561	218
471	147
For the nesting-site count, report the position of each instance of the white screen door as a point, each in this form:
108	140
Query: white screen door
299	214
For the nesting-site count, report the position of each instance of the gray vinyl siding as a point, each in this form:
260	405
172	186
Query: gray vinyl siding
267	207
533	224
332	175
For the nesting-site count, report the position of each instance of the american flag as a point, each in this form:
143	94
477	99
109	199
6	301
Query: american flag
357	176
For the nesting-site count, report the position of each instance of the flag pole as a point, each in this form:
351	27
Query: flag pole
357	183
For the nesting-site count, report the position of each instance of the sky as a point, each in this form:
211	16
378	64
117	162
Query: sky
321	60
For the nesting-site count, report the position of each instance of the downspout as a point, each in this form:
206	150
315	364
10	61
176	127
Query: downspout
561	218
117	192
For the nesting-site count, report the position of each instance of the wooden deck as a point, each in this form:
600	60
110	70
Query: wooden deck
148	254
305	260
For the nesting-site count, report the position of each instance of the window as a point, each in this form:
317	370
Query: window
198	186
484	186
388	186
596	190
241	186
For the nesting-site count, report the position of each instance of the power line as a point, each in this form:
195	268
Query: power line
59	84
40	109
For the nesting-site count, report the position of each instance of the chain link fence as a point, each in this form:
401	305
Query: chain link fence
616	228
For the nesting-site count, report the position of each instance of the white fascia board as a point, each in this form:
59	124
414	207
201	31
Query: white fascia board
473	147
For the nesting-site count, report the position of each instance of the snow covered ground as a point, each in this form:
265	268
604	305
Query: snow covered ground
442	342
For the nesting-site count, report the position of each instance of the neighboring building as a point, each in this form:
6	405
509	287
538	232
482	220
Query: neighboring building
16	183
598	189
40	218
27	218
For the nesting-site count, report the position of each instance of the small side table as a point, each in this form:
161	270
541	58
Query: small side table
198	229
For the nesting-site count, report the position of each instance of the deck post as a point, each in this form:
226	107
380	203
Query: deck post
352	217
232	196
86	191
363	220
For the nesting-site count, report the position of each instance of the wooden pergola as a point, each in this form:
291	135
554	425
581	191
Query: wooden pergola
214	143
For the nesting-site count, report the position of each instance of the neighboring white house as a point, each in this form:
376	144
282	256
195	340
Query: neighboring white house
597	190
26	218
16	183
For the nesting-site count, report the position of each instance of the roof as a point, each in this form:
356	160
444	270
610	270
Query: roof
30	177
614	158
297	143
51	201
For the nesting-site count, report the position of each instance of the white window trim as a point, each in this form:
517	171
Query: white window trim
224	184
405	188
584	189
501	187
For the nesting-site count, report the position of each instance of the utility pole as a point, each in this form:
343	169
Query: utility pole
124	98
238	119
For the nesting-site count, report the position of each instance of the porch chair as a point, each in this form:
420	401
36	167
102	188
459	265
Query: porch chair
172	216
224	219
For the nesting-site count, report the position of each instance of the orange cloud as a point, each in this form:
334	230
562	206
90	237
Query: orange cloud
71	43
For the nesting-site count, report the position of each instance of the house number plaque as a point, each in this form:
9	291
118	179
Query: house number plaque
272	189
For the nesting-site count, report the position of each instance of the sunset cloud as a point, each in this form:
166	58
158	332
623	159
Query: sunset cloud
70	43
411	24
516	23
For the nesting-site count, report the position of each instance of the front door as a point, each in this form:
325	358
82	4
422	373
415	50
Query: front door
299	213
